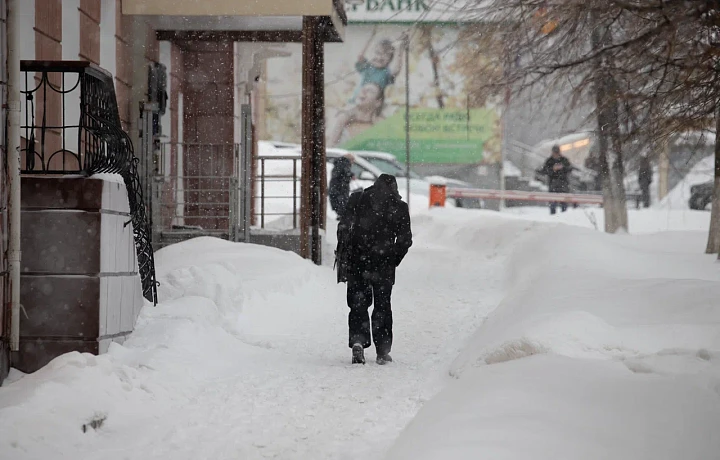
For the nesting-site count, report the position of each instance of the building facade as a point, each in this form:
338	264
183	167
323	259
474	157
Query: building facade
170	80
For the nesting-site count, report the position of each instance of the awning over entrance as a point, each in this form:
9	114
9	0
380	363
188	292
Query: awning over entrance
267	20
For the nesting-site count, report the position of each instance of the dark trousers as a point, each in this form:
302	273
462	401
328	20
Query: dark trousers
554	205
645	189
360	295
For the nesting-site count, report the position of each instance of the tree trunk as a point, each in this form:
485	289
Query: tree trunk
713	246
606	179
618	175
606	100
613	195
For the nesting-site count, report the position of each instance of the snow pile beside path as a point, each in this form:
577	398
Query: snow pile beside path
591	295
641	220
551	407
216	269
210	292
604	347
482	231
678	197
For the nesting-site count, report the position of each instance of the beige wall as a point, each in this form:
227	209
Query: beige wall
229	7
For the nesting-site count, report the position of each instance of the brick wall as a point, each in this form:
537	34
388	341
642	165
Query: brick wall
124	75
90	30
43	40
48	46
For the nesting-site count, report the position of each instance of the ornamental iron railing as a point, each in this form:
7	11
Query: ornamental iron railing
71	125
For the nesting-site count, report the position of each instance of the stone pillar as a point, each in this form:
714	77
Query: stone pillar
312	196
208	131
80	287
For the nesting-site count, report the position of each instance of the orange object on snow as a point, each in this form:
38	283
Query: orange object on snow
438	194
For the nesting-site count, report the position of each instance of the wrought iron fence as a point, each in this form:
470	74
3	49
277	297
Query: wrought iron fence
196	192
72	126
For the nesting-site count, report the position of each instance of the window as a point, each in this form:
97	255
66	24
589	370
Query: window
386	166
391	167
357	170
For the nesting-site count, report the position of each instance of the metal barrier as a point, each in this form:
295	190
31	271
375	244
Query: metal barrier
544	197
196	192
277	188
541	197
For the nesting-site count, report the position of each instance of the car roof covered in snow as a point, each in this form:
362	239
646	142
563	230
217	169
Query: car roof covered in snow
369	154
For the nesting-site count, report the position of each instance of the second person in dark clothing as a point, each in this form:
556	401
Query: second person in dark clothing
557	168
378	222
645	178
339	188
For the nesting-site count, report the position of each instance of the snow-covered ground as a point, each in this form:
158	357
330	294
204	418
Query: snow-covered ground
604	347
639	220
516	337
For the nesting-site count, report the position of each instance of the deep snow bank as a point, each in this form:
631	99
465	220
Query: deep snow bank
552	407
604	347
195	336
651	220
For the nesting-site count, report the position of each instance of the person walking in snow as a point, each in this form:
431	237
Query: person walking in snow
557	168
377	235
339	188
645	178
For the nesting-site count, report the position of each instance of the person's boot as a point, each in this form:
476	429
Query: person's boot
358	354
383	359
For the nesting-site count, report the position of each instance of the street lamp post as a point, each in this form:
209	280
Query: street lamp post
407	119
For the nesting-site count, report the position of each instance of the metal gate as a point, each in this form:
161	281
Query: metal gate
196	192
223	190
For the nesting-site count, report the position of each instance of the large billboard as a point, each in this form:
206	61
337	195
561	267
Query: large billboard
366	99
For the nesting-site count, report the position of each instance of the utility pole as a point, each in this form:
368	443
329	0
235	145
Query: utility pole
407	120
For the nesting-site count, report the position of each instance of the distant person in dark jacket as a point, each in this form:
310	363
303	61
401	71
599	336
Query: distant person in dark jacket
377	228
645	178
557	168
339	189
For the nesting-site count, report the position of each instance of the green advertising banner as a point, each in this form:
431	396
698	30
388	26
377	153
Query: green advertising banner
436	136
371	74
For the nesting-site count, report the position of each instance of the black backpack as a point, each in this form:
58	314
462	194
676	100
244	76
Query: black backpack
344	250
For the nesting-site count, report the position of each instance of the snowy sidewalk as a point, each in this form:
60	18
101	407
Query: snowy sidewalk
588	338
246	357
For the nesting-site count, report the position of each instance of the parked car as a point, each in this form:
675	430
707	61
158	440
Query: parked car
701	195
386	163
389	164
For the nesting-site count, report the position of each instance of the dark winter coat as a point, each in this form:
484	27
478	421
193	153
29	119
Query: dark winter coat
558	181
645	173
339	189
377	228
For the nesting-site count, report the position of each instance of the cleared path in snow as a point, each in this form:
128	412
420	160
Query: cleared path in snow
246	357
298	397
